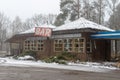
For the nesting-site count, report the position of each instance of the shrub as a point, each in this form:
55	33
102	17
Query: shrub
52	59
62	58
69	56
30	53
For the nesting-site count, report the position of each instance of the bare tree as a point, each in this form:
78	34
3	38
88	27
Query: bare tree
100	7
113	14
77	8
115	18
4	21
17	26
28	24
38	20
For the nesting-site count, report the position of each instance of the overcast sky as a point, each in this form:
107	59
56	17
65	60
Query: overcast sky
27	8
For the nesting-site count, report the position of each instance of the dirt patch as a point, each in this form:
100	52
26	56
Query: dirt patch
71	73
117	65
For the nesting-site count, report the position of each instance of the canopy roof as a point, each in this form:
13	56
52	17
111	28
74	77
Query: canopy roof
82	23
106	35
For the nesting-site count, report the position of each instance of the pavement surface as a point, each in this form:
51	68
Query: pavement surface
33	73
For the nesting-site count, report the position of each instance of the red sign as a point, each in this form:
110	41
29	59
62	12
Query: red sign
40	31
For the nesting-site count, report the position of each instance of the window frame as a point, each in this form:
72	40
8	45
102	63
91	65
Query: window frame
33	45
72	43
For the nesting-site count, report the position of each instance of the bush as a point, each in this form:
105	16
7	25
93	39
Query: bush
30	53
62	58
52	59
69	56
56	60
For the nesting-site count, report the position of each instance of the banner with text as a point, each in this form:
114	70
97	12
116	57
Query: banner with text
45	32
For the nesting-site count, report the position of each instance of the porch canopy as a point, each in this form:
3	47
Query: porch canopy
106	35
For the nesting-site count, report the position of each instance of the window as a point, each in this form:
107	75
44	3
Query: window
79	45
31	45
68	45
89	46
26	46
35	45
40	45
58	44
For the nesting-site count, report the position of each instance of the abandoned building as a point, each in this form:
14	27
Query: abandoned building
74	37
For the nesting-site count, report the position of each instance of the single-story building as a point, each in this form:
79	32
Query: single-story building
74	37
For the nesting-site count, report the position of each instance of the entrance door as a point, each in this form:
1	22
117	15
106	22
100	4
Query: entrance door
101	51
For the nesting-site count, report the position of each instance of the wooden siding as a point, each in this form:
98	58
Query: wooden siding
99	49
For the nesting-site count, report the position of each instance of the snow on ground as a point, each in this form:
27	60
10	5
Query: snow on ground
83	66
27	57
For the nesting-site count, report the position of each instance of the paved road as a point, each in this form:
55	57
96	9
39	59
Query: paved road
32	73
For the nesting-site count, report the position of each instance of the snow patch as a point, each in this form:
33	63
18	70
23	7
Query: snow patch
84	66
27	57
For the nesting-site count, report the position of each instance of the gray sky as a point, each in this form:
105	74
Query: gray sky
27	8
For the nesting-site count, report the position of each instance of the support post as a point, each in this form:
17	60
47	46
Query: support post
115	49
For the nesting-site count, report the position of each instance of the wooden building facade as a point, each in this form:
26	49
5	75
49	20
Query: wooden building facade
75	41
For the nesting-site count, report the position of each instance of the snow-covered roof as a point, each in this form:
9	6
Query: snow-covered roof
32	30
80	24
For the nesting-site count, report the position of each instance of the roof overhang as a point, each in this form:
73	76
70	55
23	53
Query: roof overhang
19	37
106	35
